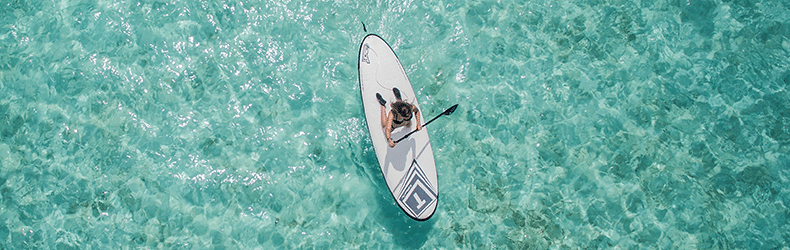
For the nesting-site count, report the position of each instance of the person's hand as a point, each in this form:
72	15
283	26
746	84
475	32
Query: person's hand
419	126
392	143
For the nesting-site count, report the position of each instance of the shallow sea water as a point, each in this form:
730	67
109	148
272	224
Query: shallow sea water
238	125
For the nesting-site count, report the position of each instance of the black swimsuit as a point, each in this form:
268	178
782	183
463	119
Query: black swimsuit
400	122
403	119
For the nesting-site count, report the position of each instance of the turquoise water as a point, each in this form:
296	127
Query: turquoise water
238	125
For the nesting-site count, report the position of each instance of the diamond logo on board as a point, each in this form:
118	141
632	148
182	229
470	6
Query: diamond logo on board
417	193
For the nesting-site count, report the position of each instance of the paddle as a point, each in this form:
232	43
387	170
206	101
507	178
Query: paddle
446	112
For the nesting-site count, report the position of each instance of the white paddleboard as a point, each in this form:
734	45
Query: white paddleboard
408	168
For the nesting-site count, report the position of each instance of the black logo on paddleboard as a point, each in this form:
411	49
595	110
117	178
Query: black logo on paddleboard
417	193
365	50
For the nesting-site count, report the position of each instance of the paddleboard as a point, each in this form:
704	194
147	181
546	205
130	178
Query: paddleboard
409	168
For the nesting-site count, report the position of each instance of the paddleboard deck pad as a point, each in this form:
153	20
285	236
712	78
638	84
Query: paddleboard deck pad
408	168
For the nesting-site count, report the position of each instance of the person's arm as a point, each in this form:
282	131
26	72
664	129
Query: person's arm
388	129
417	114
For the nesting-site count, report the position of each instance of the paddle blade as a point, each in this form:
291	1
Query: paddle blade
450	110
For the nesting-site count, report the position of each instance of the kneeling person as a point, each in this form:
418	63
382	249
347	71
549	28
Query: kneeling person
400	115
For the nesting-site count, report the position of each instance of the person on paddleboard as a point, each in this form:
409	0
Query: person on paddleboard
400	115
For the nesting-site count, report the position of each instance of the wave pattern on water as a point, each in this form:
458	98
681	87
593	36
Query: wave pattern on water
582	124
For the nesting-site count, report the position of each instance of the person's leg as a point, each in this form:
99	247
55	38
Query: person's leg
383	110
396	91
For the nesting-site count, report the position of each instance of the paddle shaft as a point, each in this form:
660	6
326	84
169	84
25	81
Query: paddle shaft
446	112
414	131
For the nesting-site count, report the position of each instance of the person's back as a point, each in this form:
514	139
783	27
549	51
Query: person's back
400	115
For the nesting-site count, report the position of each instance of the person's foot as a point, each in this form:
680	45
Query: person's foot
381	99
396	91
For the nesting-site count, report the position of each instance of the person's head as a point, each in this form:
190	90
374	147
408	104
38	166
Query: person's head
402	108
